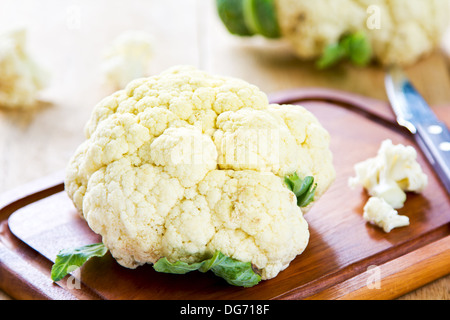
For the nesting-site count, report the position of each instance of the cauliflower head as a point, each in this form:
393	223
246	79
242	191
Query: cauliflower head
388	31
185	163
399	31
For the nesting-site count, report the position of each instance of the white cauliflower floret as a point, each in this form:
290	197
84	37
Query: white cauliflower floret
378	212
154	177
408	29
128	58
21	78
186	153
392	172
244	137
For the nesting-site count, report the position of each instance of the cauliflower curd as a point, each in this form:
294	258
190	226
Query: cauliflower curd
185	163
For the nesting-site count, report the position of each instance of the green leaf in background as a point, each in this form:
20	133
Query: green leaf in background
231	12
260	17
68	259
331	55
355	47
249	17
358	48
235	272
303	189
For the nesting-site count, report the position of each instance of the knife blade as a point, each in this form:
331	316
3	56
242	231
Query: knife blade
413	113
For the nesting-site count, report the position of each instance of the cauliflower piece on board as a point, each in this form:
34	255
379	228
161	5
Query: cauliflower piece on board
185	163
128	58
21	78
390	173
378	212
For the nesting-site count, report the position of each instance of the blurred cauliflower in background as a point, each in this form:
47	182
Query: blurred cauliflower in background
21	78
128	58
446	42
388	31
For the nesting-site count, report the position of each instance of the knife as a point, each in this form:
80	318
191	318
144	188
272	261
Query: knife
413	113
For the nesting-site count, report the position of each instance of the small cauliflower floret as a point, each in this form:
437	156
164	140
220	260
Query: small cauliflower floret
313	145
128	58
392	172
257	217
255	140
184	153
128	206
21	78
155	180
378	212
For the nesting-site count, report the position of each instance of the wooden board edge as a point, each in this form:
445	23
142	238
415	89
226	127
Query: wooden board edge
21	280
30	192
344	290
377	110
25	275
381	282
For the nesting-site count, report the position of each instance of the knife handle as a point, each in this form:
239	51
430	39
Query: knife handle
434	140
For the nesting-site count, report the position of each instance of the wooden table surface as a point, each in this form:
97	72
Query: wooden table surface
69	37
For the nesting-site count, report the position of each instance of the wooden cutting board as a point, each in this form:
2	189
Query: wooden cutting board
346	257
